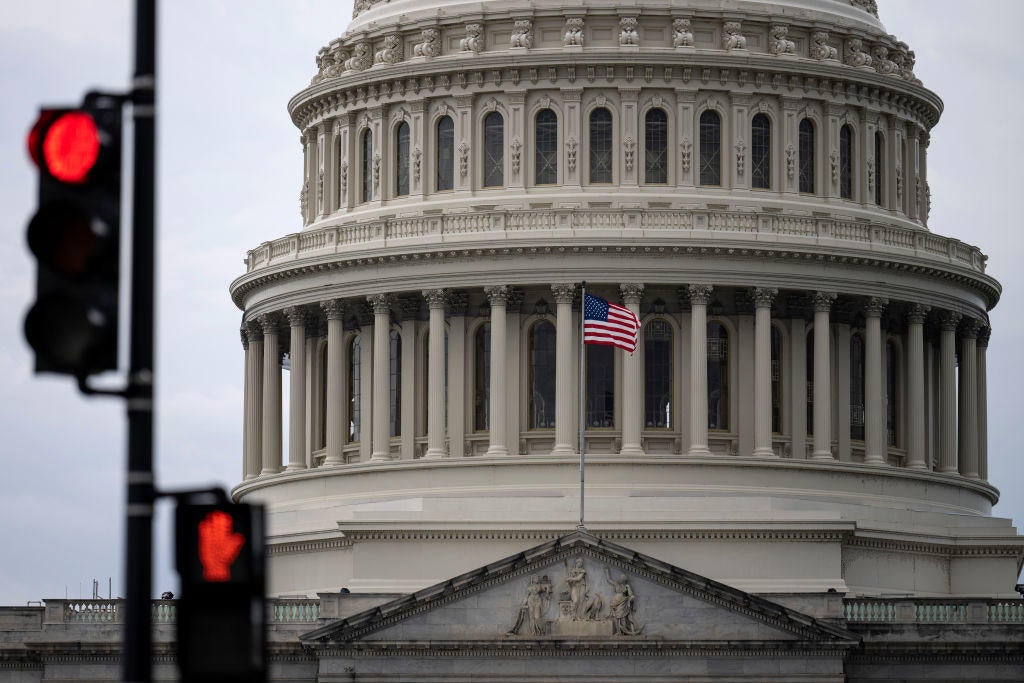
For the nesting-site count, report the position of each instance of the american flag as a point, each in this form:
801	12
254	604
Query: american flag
609	324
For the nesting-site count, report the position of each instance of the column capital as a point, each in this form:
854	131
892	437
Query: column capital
948	320
458	302
381	303
270	322
253	330
700	294
245	337
983	336
436	298
411	307
822	301
334	309
764	296
970	327
875	305
497	295
296	316
916	313
631	292
564	292
515	300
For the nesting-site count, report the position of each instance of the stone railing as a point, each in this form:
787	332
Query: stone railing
933	611
589	224
279	611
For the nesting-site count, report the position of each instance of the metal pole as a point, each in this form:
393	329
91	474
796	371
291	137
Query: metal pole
583	398
137	659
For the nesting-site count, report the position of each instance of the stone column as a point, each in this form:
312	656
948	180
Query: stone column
381	435
337	402
498	297
365	397
700	297
271	396
763	298
407	424
915	386
948	321
983	337
247	471
632	380
875	442
822	379
457	374
254	425
297	389
436	299
968	433
566	379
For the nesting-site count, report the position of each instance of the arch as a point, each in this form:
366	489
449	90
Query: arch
656	146
807	149
541	381
601	134
879	185
494	150
402	149
846	161
482	377
545	147
444	143
658	338
710	153
719	394
354	388
857	386
761	152
366	165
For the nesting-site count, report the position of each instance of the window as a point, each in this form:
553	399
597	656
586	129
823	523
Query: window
892	392
354	391
367	166
658	375
879	166
482	378
846	162
600	387
718	376
494	150
776	380
600	146
542	376
710	148
857	387
402	160
761	153
656	147
809	352
445	154
807	156
546	146
395	367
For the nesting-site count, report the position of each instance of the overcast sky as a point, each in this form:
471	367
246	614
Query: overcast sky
230	169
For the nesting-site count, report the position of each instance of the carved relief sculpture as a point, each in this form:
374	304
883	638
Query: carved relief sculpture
820	49
570	150
530	619
899	184
627	31
628	152
391	53
417	157
463	159
344	178
586	606
834	160
685	149
517	148
320	192
856	55
361	59
323	61
869	6
790	161
474	40
681	34
573	32
522	34
779	44
621	606
336	61
430	45
741	149
871	174
376	173
303	199
731	37
908	68
880	60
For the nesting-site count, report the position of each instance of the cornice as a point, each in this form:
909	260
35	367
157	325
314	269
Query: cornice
617	648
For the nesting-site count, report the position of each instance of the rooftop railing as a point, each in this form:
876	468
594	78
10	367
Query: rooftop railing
933	611
279	611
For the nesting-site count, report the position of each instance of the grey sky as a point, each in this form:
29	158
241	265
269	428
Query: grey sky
229	175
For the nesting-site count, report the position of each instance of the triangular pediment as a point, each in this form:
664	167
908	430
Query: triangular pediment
582	589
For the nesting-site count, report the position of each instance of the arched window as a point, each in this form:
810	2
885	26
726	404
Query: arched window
710	148
807	156
718	376
776	380
600	146
658	375
482	378
542	376
354	390
761	153
402	160
494	150
656	147
809	365
879	166
600	412
892	397
546	147
445	154
367	166
857	387
395	370
846	162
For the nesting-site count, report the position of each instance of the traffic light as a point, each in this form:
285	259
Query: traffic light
221	613
75	236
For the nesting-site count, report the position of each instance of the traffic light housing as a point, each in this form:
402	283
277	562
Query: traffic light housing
221	612
75	236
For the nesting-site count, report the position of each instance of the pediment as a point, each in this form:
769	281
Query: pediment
584	591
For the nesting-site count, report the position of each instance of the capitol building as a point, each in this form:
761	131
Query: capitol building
786	481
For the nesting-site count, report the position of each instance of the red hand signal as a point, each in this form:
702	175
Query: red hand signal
218	546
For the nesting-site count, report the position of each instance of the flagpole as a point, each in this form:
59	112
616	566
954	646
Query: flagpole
582	399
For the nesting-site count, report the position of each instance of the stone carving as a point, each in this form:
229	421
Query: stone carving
585	605
320	192
380	303
564	292
779	44
334	309
875	305
871	174
573	32
681	34
790	161
916	313
856	55
391	53
530	619
628	152
699	295
323	62
474	40
304	199
926	210
833	158
430	45
621	606
731	37
869	6
522	34
899	184
463	159
417	160
822	301
820	49
908	68
627	31
376	172
570	153
882	63
948	320
361	58
517	148
741	149
685	149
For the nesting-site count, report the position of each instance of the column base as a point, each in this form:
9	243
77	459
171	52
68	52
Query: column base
948	470
874	460
916	466
265	472
823	456
435	454
699	450
632	449
764	453
295	468
333	461
496	451
380	457
563	449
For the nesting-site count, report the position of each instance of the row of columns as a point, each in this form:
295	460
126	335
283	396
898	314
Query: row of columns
962	443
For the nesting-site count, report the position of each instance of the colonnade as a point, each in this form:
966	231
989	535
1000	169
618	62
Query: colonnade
958	445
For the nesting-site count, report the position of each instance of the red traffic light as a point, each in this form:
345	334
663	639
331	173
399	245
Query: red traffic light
219	545
66	144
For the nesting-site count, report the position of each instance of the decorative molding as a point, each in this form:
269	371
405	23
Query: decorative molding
628	35
732	39
564	292
497	295
474	40
682	36
430	45
573	32
778	42
822	301
700	295
874	306
522	34
631	292
380	303
763	297
391	53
